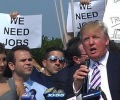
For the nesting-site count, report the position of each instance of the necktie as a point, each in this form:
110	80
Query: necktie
96	77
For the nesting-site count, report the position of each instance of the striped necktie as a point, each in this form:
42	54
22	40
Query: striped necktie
96	77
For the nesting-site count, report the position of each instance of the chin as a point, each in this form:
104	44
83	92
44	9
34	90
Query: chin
1	73
94	56
28	73
55	72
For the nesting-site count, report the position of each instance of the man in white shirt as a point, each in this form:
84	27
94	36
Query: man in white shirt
95	40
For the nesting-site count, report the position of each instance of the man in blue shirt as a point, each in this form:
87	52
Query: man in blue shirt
20	62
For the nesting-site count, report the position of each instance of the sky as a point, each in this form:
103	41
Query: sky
50	26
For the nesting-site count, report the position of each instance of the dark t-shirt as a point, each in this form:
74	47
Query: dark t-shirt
62	80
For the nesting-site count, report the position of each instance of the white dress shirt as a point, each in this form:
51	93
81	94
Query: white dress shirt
104	77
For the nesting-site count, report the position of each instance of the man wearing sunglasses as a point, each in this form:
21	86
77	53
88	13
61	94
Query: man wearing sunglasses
53	62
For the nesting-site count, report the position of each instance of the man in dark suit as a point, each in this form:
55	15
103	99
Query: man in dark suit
95	40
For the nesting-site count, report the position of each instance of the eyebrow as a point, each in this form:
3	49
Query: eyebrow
29	59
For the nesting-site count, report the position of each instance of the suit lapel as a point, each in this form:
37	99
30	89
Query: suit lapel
113	73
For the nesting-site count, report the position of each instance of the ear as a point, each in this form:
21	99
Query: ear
11	66
64	64
76	59
44	63
107	41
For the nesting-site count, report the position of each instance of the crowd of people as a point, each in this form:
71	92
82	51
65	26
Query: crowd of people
90	64
70	70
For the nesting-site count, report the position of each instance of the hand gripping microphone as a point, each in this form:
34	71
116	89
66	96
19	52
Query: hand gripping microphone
30	95
53	94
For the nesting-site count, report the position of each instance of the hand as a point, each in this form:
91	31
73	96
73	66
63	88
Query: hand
79	75
38	67
14	14
85	2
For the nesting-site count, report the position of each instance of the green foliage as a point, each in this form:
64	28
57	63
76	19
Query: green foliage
46	42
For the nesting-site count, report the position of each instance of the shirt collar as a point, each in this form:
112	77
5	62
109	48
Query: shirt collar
28	83
102	61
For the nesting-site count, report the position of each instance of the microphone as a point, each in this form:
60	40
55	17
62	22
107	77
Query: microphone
92	94
33	93
103	94
60	91
49	90
53	94
86	62
30	95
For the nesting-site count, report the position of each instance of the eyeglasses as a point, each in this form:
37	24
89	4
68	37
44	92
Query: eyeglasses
55	58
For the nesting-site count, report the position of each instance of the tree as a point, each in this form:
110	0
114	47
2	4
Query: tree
46	42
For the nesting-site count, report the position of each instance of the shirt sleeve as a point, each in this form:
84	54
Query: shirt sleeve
75	92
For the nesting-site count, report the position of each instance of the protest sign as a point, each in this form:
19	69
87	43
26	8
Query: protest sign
112	19
22	30
85	13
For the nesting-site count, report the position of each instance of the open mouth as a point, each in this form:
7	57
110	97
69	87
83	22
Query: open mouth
57	69
93	50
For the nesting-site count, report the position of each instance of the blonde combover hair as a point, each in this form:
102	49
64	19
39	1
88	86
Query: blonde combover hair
99	24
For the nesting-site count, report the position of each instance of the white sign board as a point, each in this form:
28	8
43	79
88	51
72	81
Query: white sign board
84	13
22	30
112	19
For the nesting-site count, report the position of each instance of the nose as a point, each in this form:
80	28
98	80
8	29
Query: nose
2	63
58	61
91	40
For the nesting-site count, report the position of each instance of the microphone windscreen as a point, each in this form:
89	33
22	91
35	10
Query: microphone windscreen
54	91
33	92
60	91
49	90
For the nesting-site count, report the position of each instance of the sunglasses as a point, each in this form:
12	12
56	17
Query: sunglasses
55	58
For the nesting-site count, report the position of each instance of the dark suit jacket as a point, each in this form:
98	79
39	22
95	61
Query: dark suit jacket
113	73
